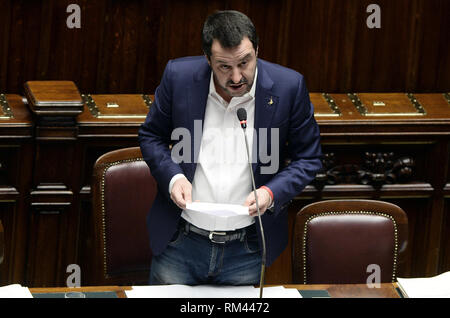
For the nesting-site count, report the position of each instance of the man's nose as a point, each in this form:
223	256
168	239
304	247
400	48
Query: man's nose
236	75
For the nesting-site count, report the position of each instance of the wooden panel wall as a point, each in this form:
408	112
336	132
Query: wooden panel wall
122	46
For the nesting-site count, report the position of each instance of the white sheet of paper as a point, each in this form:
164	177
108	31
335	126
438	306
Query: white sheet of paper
218	215
15	291
218	209
427	287
209	291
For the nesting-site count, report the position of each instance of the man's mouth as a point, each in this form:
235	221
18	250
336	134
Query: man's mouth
236	87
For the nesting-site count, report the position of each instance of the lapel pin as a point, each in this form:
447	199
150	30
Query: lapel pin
270	101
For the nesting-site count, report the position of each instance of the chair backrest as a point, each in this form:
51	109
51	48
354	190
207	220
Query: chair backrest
122	192
343	241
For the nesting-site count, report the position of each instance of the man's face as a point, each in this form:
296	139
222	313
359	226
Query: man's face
233	68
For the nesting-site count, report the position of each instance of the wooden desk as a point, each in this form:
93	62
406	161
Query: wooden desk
120	290
386	290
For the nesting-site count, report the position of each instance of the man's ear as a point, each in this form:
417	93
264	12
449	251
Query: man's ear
257	51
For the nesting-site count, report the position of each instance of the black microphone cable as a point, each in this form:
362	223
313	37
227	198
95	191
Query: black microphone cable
242	116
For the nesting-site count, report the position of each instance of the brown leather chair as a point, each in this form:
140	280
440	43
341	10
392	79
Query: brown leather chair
122	192
335	241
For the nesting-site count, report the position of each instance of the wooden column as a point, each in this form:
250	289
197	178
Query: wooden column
16	155
53	216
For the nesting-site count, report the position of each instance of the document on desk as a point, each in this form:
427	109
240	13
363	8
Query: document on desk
15	291
219	214
426	287
209	291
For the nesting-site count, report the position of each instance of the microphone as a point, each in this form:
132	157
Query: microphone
242	116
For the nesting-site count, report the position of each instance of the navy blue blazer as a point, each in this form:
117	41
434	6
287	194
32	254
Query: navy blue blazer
281	101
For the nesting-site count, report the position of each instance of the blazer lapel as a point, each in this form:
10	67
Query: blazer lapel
265	104
197	97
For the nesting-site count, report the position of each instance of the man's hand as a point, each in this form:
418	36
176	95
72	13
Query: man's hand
181	193
264	201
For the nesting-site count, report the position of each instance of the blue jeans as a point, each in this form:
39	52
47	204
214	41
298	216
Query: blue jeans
192	259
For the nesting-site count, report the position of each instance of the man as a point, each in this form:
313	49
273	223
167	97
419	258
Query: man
188	248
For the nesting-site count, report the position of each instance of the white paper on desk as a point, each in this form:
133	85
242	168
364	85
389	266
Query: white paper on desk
15	291
209	291
426	287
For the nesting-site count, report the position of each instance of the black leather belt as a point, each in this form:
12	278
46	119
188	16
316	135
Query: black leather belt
220	237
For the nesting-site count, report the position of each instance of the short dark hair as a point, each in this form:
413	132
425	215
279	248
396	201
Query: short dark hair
229	28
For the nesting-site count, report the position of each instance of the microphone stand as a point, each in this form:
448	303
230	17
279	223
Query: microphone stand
263	259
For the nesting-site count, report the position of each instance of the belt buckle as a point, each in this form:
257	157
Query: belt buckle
211	236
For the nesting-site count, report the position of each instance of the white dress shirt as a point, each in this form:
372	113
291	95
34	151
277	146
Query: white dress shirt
222	174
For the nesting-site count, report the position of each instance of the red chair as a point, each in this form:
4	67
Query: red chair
122	192
335	241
